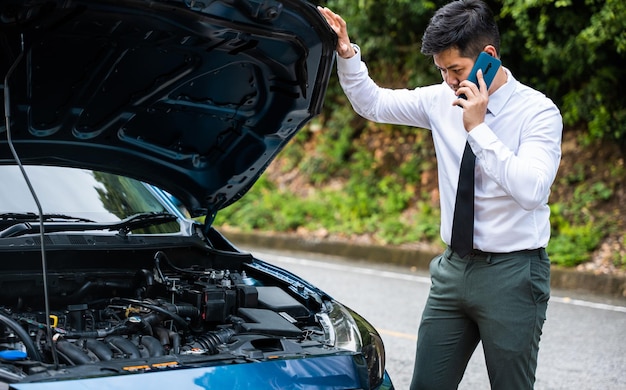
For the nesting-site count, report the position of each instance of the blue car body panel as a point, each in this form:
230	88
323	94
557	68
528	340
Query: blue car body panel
323	373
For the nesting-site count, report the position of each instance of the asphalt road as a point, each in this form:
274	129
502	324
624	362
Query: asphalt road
583	344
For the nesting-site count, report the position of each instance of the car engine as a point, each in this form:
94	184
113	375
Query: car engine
144	311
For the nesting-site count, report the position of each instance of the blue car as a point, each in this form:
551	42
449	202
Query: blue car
128	125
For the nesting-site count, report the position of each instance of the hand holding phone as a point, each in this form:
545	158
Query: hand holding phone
489	65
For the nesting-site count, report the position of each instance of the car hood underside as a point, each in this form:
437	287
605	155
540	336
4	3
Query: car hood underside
194	97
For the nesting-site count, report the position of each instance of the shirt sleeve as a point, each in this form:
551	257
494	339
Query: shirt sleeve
383	105
527	174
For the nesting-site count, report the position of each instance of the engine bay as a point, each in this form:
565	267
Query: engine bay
149	310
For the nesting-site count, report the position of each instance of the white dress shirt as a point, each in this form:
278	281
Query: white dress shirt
518	150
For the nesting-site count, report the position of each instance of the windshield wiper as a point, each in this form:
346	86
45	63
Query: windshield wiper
142	220
124	226
35	217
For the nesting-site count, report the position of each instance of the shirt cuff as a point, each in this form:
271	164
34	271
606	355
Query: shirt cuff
352	64
481	137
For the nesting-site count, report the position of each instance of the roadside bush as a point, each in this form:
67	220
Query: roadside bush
575	51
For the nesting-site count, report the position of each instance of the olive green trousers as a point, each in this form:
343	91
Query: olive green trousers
497	299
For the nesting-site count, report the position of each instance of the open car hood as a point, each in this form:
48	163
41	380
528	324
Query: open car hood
195	97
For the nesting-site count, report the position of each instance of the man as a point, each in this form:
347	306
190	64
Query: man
495	291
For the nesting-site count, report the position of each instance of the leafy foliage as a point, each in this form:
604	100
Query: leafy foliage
575	51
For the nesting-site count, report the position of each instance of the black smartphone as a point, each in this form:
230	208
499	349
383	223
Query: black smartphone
489	65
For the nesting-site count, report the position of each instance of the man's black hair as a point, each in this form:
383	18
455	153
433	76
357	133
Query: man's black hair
467	25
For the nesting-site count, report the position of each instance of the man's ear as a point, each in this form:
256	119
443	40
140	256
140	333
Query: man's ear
491	50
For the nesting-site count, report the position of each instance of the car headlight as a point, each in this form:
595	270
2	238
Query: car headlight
345	329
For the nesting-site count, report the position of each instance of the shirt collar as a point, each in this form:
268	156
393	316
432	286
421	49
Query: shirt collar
498	99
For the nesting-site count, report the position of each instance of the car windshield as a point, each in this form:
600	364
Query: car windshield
78	194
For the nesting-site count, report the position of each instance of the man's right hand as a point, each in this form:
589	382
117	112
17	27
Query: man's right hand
475	104
336	22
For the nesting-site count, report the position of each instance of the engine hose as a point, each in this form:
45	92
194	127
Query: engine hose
125	346
178	319
23	335
175	337
184	310
92	334
211	340
187	311
161	255
169	339
73	352
144	277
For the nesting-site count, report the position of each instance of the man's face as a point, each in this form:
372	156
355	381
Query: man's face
453	67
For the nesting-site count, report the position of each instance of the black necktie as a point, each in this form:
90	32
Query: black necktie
462	241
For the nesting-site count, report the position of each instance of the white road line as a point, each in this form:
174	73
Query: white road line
416	278
341	267
592	305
